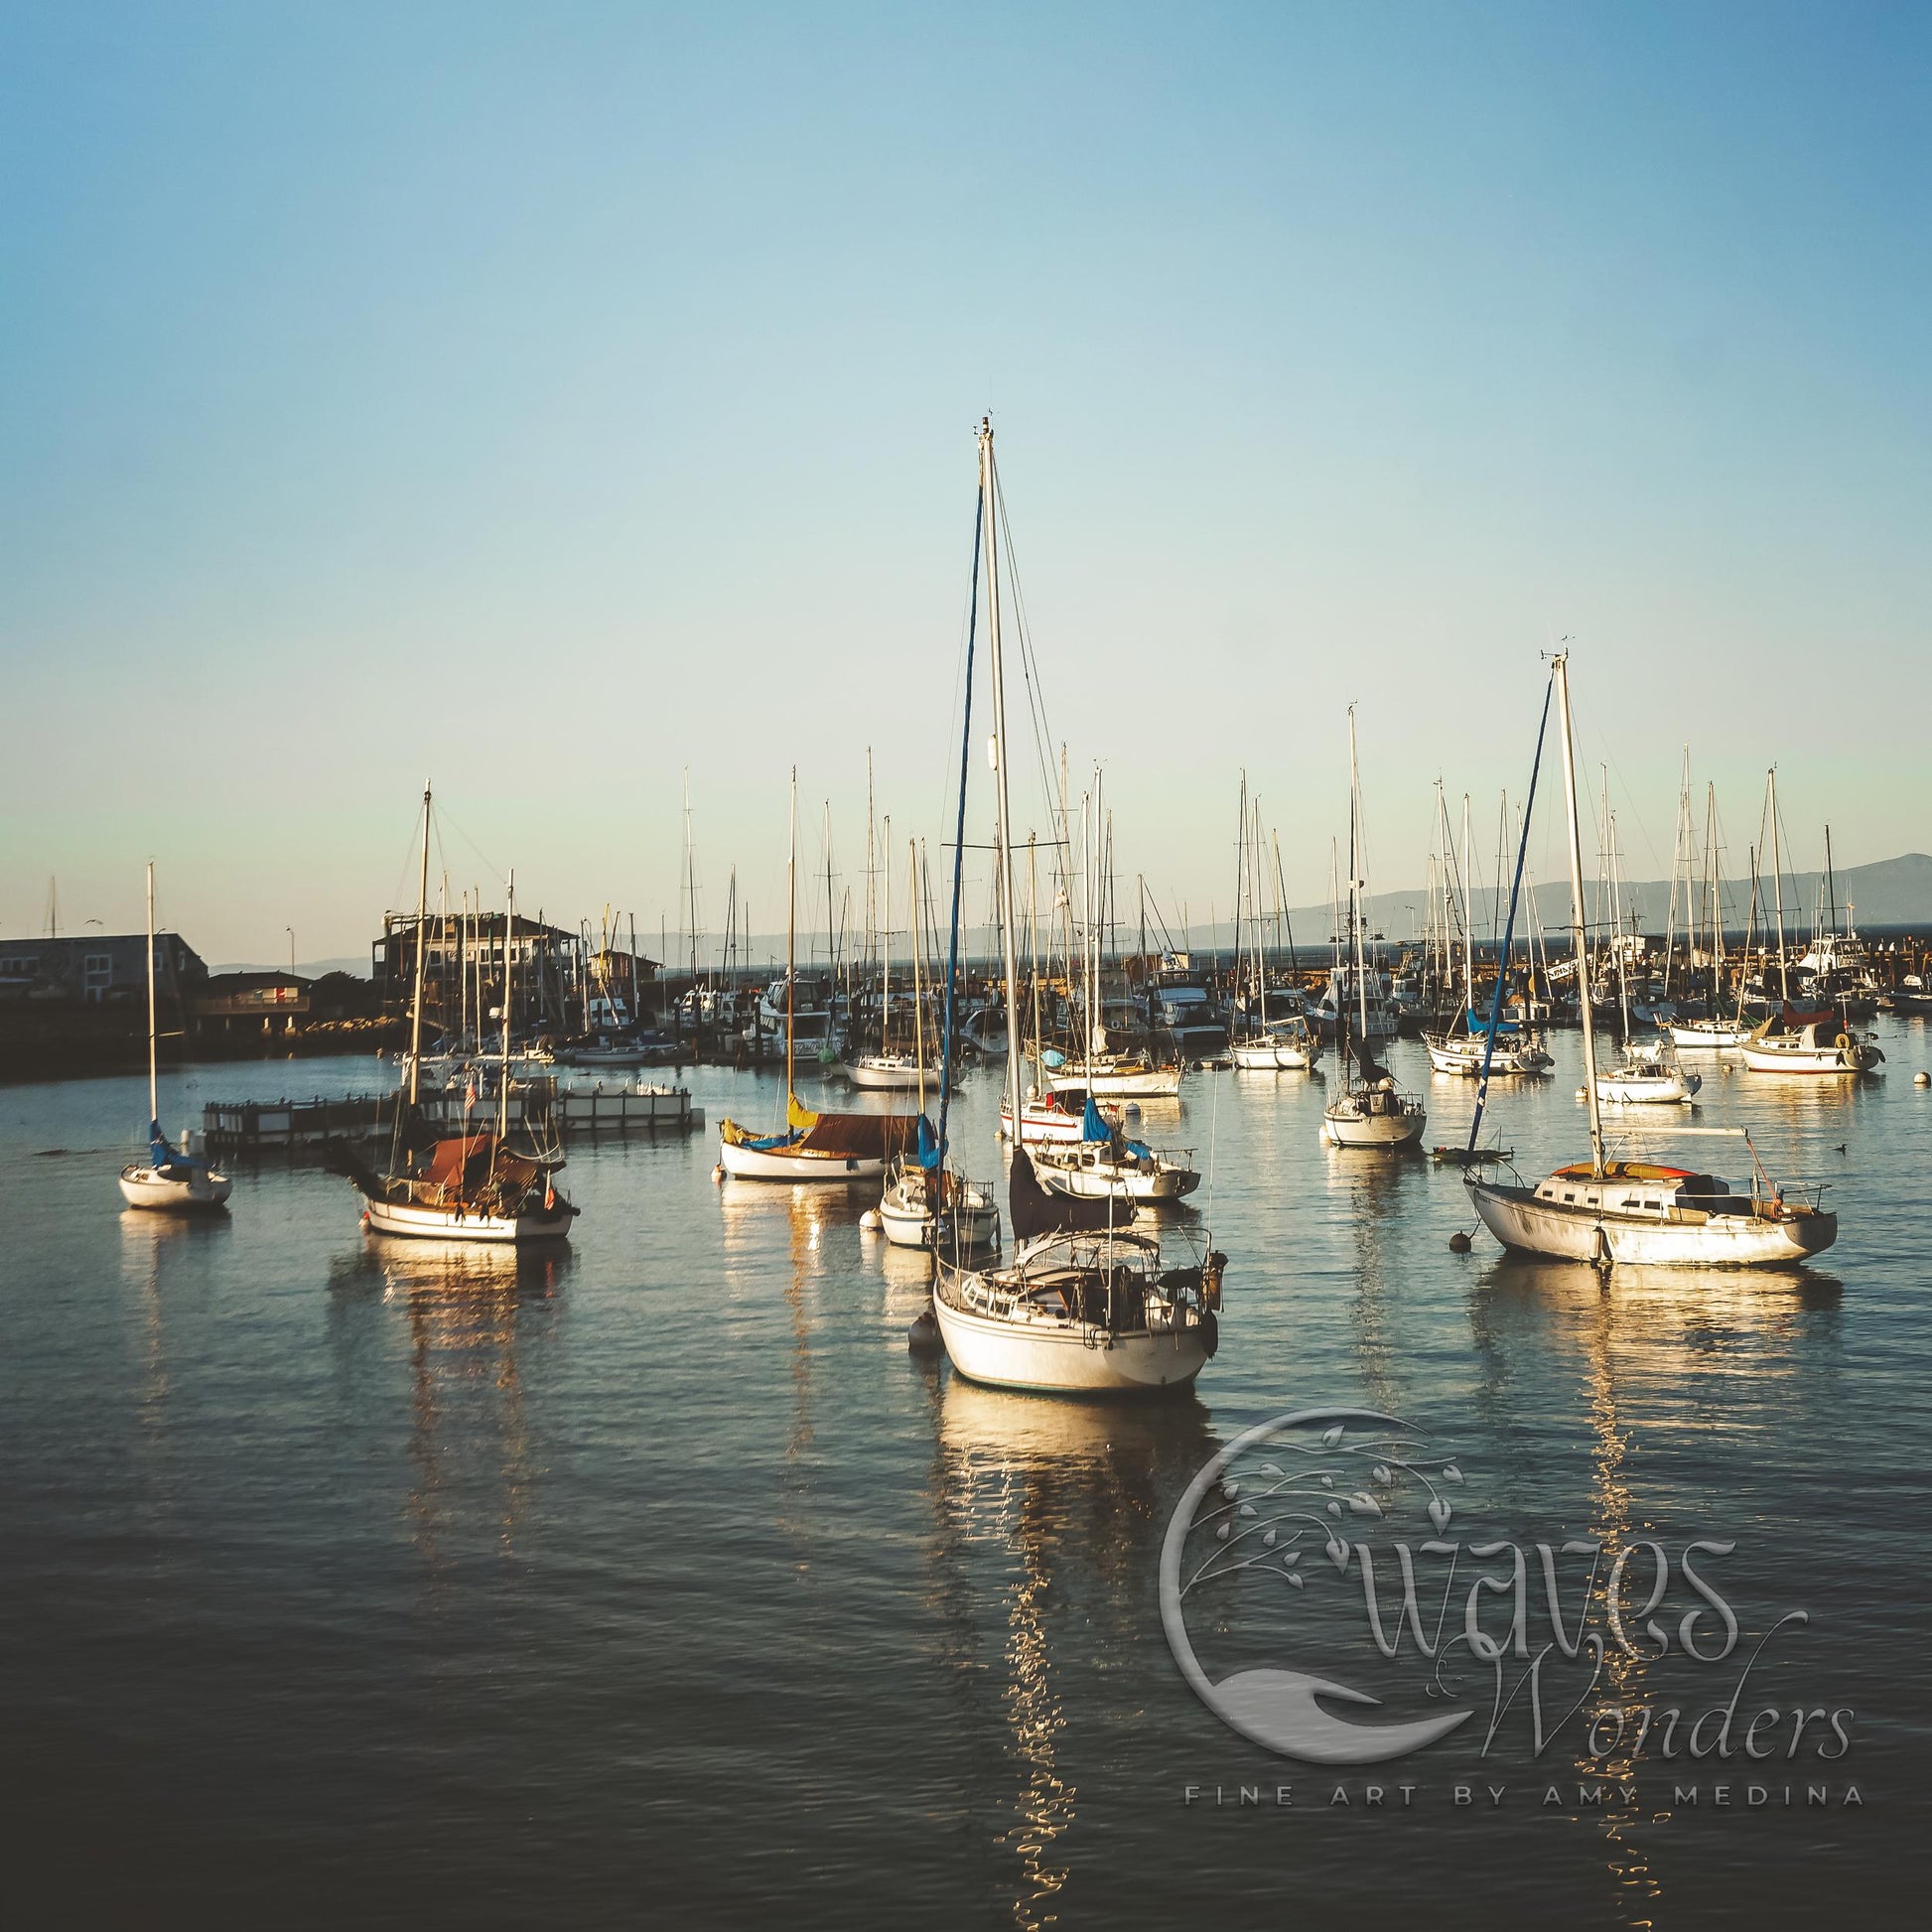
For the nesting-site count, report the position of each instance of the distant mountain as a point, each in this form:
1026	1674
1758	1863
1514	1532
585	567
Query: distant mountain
310	969
1890	893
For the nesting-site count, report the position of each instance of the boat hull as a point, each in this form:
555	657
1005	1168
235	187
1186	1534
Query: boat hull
889	1076
1761	1057
1527	1225
419	1223
144	1188
1649	1090
1047	1358
1114	1083
1384	1133
742	1162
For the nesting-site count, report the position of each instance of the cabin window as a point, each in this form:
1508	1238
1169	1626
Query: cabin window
1569	1196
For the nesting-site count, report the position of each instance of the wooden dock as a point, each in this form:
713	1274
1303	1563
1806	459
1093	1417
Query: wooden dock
243	1127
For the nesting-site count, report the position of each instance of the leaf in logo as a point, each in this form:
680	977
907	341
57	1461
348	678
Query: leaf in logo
1295	1577
1273	1470
1267	1539
1438	1514
1330	1436
1381	1474
1221	1535
1363	1504
1450	1473
1335	1509
1338	1553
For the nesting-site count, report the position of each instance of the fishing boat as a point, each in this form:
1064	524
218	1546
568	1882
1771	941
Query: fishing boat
472	1185
1085	1305
1604	1211
1371	1111
173	1179
813	1145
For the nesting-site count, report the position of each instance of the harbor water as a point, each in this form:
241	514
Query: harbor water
356	1581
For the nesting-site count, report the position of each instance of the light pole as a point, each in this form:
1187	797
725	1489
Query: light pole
289	930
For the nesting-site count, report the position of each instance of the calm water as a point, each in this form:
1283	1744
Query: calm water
349	1579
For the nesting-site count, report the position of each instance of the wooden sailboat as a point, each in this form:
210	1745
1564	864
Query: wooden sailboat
172	1181
1371	1111
1084	1305
467	1187
1604	1210
811	1147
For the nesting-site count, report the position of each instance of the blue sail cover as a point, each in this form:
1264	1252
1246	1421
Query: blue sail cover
165	1160
1094	1128
928	1154
1479	1022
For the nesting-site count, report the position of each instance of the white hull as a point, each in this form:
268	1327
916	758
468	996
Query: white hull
447	1224
1708	1036
776	1163
887	1073
1519	1220
1119	1084
1387	1132
1043	1124
1760	1057
1104	1180
1648	1089
1451	1057
1256	1056
911	1227
1058	1358
144	1188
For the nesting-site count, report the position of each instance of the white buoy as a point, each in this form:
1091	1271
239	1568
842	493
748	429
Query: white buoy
718	1174
871	1222
1922	1078
1582	1094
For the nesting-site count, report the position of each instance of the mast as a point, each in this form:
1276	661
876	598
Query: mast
154	1089
416	1000
1468	919
1577	936
1777	883
510	1002
1616	933
918	1009
886	949
1001	792
1355	881
791	934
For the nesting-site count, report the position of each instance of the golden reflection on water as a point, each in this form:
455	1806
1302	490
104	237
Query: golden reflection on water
1066	1492
1663	1331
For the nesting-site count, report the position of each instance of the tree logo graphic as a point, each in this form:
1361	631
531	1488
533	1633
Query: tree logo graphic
1278	1503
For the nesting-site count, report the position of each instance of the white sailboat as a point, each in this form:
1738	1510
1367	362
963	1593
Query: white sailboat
171	1180
1646	1072
1371	1111
886	1071
1084	1305
1603	1210
811	1147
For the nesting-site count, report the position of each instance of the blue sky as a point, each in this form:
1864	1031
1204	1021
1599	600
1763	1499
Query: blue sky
550	399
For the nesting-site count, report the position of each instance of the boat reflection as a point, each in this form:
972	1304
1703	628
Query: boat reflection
1640	1348
1046	1512
472	1314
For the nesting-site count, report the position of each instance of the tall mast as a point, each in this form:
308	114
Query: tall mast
791	933
1777	883
154	1092
988	493
510	1004
1616	933
1355	881
416	1001
918	995
1577	938
1468	917
886	950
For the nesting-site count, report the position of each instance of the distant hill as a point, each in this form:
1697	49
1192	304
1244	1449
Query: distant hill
1890	893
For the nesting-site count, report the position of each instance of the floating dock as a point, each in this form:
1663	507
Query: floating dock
240	1127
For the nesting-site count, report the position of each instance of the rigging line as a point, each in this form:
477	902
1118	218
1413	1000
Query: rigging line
1502	966
958	862
1029	665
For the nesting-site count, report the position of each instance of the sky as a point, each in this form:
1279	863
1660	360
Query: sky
545	401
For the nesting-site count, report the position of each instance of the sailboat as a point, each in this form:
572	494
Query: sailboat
1286	1043
923	1203
886	1071
1371	1111
467	1187
1085	1305
812	1147
1604	1210
171	1179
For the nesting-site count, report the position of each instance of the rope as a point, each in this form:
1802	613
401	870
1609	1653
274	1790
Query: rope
959	840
